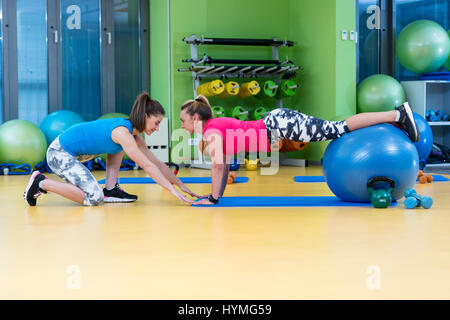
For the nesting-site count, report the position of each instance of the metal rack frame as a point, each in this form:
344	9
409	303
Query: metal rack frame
200	70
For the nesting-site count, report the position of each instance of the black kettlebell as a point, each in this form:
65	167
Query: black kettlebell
380	198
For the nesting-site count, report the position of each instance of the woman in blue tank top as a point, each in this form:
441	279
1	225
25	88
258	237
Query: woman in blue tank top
114	137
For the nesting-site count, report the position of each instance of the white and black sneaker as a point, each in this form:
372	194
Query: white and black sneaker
32	192
117	195
407	122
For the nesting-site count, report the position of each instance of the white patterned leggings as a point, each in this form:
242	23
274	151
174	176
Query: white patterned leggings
67	167
296	126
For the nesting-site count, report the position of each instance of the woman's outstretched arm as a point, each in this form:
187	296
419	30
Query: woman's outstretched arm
122	136
165	170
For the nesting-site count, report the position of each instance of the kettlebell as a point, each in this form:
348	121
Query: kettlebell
380	198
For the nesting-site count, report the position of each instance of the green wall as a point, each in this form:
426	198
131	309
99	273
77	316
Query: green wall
159	55
329	76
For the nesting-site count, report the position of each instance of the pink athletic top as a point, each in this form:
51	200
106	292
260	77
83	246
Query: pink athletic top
238	136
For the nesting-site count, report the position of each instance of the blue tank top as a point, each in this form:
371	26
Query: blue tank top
94	137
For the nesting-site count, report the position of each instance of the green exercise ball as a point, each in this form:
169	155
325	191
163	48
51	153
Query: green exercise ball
447	63
113	115
423	46
22	142
380	93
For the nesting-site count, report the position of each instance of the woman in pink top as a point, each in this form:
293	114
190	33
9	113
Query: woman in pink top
225	137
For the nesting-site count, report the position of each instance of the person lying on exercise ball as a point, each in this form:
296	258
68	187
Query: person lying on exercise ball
292	128
113	137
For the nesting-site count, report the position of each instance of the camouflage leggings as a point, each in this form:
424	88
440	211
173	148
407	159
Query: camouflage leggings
73	171
288	124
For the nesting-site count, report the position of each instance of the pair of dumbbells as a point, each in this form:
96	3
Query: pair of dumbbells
414	200
434	116
424	178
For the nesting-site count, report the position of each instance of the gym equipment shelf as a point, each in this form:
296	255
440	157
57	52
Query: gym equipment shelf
207	67
429	94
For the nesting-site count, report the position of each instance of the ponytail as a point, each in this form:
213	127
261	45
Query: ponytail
144	105
198	106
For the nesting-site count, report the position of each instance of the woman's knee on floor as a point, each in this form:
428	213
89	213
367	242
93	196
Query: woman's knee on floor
94	198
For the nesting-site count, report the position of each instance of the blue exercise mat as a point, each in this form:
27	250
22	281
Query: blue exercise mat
313	179
437	178
287	202
309	179
183	179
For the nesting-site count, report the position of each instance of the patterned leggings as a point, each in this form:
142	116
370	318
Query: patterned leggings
288	124
67	167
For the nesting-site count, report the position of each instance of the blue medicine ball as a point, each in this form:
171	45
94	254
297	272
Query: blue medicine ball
378	151
425	144
57	122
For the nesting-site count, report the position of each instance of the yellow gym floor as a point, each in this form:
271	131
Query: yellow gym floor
158	248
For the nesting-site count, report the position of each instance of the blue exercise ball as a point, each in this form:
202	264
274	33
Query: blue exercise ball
57	122
377	151
425	144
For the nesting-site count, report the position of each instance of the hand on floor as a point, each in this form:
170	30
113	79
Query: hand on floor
189	192
203	202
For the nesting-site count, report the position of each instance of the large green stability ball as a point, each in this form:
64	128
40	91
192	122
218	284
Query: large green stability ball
423	46
113	115
447	63
380	93
22	142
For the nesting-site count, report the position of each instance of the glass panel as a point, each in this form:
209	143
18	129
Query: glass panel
369	38
32	60
408	11
1	64
80	46
126	50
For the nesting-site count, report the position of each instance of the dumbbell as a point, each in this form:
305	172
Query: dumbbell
414	200
212	88
424	178
270	89
288	89
259	113
218	111
231	89
231	177
239	113
431	115
248	89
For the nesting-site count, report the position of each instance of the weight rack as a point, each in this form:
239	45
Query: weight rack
207	67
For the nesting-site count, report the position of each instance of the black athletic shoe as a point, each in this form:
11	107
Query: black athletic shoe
32	192
118	195
407	123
